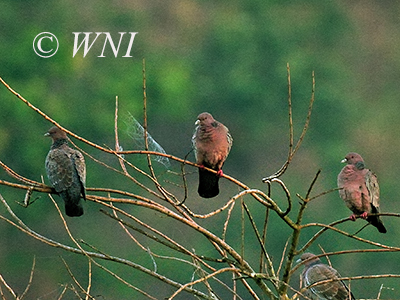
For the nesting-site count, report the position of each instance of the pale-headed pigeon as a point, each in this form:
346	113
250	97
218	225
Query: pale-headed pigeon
212	143
360	190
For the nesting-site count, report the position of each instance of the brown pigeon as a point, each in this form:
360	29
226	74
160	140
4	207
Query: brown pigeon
66	170
212	143
360	190
315	271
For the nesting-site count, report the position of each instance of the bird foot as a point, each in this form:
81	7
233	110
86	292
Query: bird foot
364	215
201	167
353	217
220	173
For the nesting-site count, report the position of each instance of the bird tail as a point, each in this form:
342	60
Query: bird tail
349	295
73	204
73	210
377	222
208	184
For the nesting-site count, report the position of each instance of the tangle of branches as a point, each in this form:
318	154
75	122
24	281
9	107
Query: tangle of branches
230	272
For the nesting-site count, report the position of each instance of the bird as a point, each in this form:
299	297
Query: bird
211	143
315	271
66	170
359	188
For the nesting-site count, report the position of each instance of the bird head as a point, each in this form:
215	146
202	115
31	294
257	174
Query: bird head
56	133
309	259
352	158
204	118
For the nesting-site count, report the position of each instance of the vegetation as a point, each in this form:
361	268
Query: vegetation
164	203
201	56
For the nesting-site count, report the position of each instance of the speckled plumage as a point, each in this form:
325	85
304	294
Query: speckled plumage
315	271
359	189
66	170
212	143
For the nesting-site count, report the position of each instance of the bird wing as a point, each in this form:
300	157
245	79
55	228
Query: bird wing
371	182
59	169
335	290
230	139
80	166
222	145
194	141
78	163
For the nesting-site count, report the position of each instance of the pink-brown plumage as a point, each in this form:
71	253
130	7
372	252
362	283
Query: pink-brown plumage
212	143
359	189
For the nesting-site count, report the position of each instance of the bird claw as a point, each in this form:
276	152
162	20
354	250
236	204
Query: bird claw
353	217
201	167
364	215
220	173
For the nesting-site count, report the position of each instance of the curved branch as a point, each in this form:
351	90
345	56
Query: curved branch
330	226
282	170
24	228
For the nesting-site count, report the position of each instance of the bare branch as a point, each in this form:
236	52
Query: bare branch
154	196
11	291
30	279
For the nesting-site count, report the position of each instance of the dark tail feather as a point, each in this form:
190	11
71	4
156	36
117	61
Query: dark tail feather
208	184
352	296
73	210
73	205
377	222
349	295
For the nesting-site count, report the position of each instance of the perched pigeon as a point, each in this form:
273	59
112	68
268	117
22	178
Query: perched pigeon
66	171
212	143
360	190
315	271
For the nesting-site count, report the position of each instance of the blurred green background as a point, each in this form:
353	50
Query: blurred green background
227	58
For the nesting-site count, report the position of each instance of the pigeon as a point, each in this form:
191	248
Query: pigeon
212	143
315	271
66	170
360	190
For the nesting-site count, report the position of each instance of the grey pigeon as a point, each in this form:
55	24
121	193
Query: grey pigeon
315	271
66	170
360	190
212	143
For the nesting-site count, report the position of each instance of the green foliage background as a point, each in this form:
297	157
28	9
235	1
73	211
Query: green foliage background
225	57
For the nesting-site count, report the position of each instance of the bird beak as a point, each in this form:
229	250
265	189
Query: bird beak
343	160
298	261
47	134
197	122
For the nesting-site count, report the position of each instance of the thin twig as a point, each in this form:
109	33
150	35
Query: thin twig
264	236
75	280
30	279
201	280
63	292
331	227
89	279
303	133
146	141
11	291
270	267
184	180
53	243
